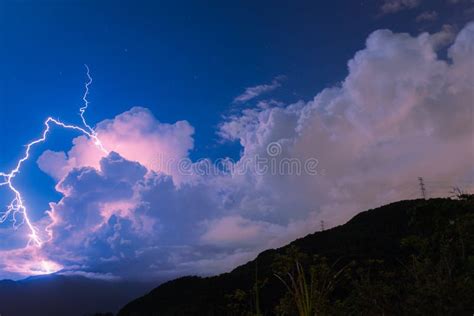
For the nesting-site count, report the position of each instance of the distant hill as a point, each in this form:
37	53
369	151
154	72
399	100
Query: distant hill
60	295
394	254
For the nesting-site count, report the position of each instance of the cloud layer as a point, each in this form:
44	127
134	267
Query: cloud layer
401	112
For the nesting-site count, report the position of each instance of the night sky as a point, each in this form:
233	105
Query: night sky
379	92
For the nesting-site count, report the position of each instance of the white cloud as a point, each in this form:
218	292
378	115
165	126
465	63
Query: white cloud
253	92
400	113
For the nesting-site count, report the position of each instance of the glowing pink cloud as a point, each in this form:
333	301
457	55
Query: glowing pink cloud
136	135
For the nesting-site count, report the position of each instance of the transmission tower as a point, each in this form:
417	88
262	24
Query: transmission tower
422	188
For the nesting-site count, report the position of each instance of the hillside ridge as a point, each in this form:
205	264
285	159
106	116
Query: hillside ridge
373	235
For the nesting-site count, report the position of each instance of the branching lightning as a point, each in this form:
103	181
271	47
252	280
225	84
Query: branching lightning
17	207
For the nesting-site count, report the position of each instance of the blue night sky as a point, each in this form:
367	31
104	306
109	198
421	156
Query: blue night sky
180	59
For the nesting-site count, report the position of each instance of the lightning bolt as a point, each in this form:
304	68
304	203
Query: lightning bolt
92	133
17	207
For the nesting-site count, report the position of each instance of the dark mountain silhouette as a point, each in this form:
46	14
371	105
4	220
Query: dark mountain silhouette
373	248
60	295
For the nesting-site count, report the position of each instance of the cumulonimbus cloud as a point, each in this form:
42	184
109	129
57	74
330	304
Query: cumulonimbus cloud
401	112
